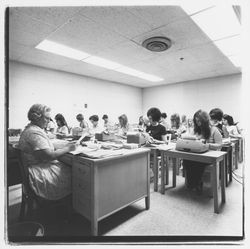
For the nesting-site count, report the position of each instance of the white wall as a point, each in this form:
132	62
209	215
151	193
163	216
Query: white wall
188	97
67	93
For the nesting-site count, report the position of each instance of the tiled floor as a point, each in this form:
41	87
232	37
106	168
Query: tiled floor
180	212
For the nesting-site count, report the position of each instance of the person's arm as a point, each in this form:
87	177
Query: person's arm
217	137
48	154
235	133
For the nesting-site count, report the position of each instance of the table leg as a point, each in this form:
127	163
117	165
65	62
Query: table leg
236	154
94	227
166	169
175	161
215	186
147	202
163	167
223	188
227	166
155	169
230	164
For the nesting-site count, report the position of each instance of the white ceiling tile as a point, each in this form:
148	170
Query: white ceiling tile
20	21
117	19
25	38
183	33
157	16
55	16
17	50
87	34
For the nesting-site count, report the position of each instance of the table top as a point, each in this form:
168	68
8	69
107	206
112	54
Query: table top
210	156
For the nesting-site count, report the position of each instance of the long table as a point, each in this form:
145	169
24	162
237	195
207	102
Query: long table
210	157
103	186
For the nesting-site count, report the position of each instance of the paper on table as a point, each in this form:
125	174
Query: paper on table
81	149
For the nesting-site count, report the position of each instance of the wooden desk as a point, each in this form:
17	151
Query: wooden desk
210	157
102	187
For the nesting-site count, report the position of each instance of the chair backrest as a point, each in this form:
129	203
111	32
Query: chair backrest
24	173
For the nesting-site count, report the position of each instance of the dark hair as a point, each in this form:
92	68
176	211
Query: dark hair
216	114
60	117
229	119
79	117
105	116
94	118
163	115
176	117
204	128
124	120
155	113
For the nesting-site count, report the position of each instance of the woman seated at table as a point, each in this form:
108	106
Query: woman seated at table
230	126
94	128
49	178
155	129
216	116
209	134
176	128
123	126
62	127
82	123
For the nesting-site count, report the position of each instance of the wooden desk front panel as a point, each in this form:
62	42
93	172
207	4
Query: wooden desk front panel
121	182
104	187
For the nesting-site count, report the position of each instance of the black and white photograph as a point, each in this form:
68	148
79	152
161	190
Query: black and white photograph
124	123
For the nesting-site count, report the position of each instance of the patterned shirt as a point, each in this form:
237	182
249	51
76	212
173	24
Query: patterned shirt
49	179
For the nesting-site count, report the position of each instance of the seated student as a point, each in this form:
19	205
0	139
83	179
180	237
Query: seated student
62	126
163	120
82	123
230	126
123	126
143	123
48	177
94	128
156	130
108	125
183	122
50	129
176	129
209	134
216	115
190	126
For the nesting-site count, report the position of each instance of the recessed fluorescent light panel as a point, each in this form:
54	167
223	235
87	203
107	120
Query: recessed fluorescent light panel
218	22
100	62
191	9
56	48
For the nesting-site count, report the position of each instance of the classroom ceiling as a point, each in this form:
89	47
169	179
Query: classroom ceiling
116	33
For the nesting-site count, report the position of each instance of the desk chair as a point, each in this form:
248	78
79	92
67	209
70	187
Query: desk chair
30	199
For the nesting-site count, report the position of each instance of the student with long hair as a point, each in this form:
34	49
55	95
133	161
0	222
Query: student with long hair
209	134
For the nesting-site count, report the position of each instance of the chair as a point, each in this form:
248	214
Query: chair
29	198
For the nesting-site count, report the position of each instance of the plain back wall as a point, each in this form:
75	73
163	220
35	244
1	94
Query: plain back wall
188	97
67	93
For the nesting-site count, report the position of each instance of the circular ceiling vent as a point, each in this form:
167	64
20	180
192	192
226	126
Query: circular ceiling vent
157	44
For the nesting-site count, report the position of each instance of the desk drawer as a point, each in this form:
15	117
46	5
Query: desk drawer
81	188
82	205
81	171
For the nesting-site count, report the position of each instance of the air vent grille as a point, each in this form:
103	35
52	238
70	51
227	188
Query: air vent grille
157	44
